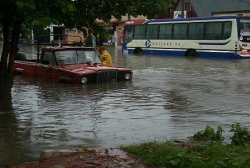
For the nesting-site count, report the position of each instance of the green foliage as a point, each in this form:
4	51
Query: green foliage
198	154
209	134
80	13
104	9
171	155
31	14
88	41
103	35
165	154
241	135
150	8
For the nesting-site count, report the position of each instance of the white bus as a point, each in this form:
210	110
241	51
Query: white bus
215	37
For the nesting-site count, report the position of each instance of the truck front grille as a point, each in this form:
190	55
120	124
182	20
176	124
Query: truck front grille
106	76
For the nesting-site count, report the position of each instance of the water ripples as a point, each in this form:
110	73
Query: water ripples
168	98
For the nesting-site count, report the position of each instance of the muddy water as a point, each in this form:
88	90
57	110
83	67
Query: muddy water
168	98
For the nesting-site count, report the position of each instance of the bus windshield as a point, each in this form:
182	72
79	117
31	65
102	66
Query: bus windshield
245	27
128	33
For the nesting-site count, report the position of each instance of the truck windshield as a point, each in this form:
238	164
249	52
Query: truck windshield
76	57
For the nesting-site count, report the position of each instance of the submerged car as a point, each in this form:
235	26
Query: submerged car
70	64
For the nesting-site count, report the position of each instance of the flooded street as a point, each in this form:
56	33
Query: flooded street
169	98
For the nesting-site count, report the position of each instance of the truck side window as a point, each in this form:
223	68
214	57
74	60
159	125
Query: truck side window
49	58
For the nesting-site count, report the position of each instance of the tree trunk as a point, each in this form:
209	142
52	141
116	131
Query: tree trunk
10	49
5	93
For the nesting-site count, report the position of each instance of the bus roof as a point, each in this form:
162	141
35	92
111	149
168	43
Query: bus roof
194	18
136	22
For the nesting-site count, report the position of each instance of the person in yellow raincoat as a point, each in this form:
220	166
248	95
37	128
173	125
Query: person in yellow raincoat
105	57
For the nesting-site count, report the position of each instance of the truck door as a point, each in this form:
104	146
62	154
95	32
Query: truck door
47	65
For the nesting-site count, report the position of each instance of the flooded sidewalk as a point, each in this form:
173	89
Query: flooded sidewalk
84	158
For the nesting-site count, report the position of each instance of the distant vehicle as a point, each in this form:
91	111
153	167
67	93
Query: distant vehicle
70	64
128	32
214	37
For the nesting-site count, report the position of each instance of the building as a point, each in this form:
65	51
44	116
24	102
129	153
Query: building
117	26
201	8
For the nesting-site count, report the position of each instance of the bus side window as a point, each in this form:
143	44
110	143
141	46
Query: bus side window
213	31
165	31
180	31
139	32
152	31
196	31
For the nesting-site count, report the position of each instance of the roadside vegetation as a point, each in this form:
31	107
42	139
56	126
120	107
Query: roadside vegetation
205	149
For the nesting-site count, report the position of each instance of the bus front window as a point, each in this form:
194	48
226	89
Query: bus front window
128	33
245	27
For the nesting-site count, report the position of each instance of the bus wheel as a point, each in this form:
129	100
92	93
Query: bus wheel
191	53
138	51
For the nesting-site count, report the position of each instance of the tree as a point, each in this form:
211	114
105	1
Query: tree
17	14
87	11
11	26
149	8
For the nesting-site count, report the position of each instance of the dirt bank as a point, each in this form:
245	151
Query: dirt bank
84	158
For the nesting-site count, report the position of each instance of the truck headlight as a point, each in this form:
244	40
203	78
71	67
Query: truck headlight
84	80
127	76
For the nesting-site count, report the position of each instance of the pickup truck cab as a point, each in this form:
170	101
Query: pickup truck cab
70	64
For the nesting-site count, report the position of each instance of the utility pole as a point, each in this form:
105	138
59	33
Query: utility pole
182	8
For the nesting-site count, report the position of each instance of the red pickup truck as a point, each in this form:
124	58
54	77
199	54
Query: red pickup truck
70	64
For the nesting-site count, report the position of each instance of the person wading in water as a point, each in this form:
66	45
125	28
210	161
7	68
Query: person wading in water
105	56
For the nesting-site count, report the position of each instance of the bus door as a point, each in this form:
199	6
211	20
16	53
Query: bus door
245	33
127	37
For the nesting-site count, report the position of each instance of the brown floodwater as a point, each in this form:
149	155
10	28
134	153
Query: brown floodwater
169	98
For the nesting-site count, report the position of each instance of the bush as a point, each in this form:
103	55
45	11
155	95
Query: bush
198	155
208	134
241	135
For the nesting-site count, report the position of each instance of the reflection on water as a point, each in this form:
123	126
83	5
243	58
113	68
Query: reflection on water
168	98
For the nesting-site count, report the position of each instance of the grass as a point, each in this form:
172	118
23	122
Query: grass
205	149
